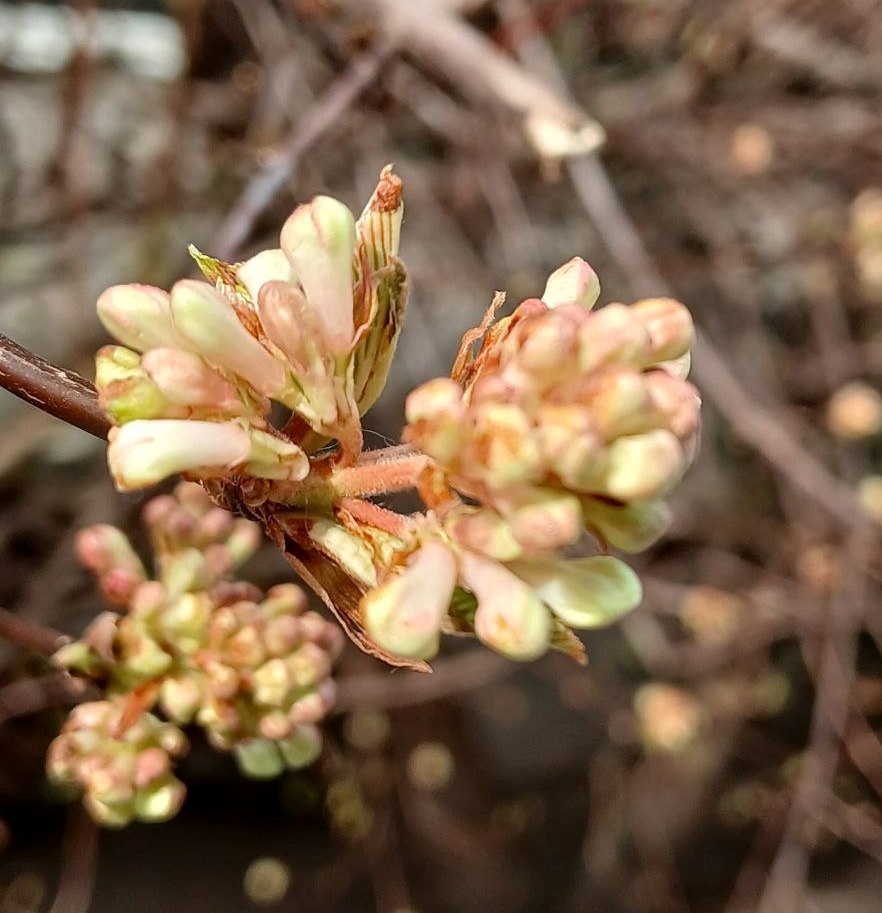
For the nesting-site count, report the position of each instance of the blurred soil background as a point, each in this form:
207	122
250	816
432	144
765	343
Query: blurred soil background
721	752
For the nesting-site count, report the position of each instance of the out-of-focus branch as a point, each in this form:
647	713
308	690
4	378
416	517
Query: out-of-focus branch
315	123
57	391
434	33
79	864
31	636
31	695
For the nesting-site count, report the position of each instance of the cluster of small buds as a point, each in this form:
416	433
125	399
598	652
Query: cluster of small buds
122	767
312	324
259	681
567	419
253	670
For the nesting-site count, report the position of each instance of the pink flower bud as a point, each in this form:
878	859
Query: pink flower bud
319	240
542	519
573	283
568	440
619	401
510	618
151	764
282	634
614	334
104	548
404	614
484	531
284	599
292	324
669	324
138	316
542	348
434	413
503	449
184	379
309	665
143	453
675	401
207	325
267	266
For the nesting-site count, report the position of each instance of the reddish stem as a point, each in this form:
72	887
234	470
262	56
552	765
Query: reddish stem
374	515
380	475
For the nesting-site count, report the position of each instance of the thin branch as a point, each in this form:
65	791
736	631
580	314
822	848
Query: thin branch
783	891
325	112
57	391
79	863
29	635
32	695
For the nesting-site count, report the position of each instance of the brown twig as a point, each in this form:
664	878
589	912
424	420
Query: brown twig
79	863
325	112
31	695
31	636
57	391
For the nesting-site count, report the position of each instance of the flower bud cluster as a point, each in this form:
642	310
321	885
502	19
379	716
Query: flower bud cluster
567	419
312	324
253	670
123	768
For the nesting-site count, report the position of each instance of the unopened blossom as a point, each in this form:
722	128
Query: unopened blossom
311	324
123	768
252	669
566	418
442	580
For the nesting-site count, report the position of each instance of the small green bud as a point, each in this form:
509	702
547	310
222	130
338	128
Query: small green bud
302	747
582	592
160	801
259	759
628	527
